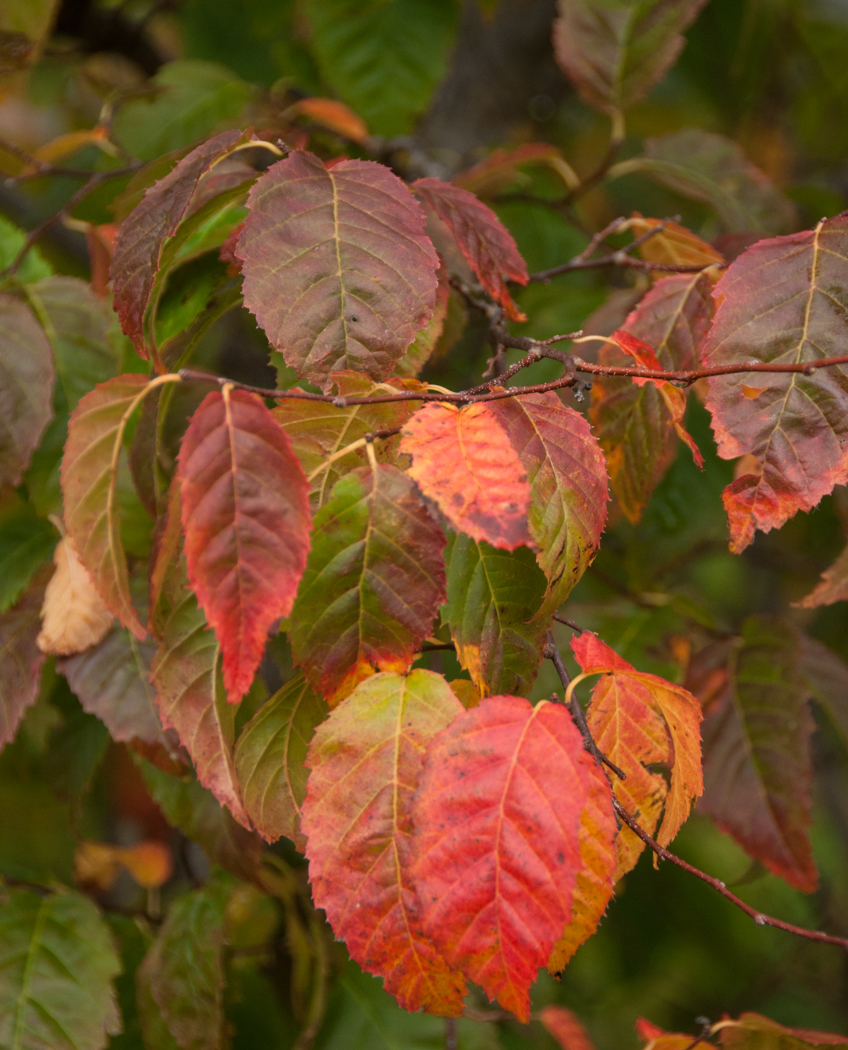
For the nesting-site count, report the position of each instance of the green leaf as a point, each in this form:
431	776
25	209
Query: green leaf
26	541
383	57
34	267
57	964
269	759
82	330
187	805
184	969
77	747
373	583
192	100
492	594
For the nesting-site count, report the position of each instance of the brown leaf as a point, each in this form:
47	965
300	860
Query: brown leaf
74	616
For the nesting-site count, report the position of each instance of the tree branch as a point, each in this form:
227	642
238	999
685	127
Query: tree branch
759	918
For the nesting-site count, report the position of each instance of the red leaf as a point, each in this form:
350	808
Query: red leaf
638	719
142	236
631	418
365	761
496	841
462	459
337	267
246	519
757	753
568	486
500	169
782	301
482	238
20	657
565	1026
373	584
333	115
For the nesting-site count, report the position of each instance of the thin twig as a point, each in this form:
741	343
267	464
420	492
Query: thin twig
569	623
451	1035
759	917
555	656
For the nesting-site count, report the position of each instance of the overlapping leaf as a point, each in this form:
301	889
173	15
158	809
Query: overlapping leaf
26	542
781	302
246	519
757	753
143	237
112	681
89	486
638	719
270	759
365	762
57	965
826	676
486	243
26	387
502	168
632	420
674	245
337	267
74	616
82	332
565	1027
373	583
418	353
598	862
20	657
755	1032
833	586
319	430
184	968
497	841
493	599
615	53
463	460
190	693
568	486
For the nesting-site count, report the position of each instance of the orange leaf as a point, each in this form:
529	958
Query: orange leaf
594	888
150	863
497	851
246	519
463	460
482	238
365	762
500	169
638	719
565	1026
674	245
333	115
832	588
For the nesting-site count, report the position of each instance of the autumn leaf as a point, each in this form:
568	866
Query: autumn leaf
757	768
832	588
74	616
337	267
320	430
246	520
20	656
568	486
143	236
496	841
826	676
638	719
486	243
365	761
190	695
463	460
614	54
270	756
781	302
753	1031
493	598
331	114
373	583
566	1028
26	387
632	420
598	862
90	466
418	353
502	168
674	245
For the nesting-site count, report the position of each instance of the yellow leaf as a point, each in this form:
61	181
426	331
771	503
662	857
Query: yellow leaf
74	616
150	863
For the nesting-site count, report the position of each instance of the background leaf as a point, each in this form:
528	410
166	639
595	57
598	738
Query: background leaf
57	964
270	759
370	282
246	521
26	542
373	584
20	657
365	761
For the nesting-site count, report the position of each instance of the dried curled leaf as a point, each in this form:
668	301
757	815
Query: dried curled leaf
74	616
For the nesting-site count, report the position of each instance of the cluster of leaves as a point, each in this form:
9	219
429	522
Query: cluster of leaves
455	832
